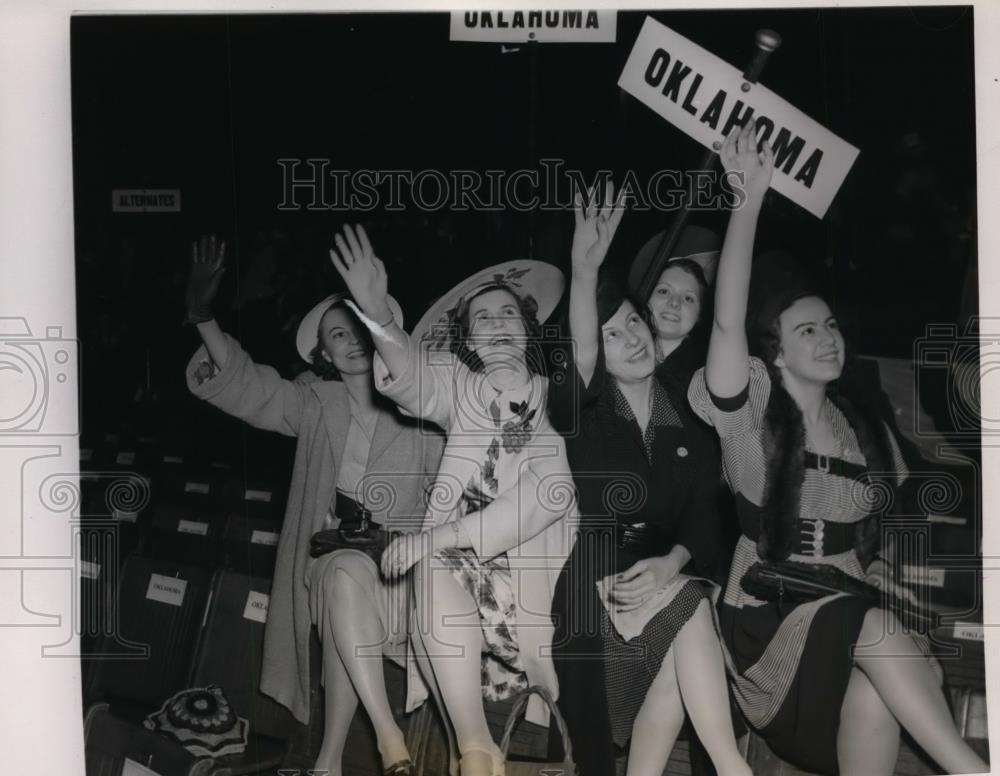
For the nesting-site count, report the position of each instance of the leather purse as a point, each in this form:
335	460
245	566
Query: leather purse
796	583
366	537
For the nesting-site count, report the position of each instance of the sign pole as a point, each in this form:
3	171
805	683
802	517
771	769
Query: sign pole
532	125
766	41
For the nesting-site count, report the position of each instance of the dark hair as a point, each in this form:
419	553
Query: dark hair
695	270
528	308
766	334
784	428
322	366
611	295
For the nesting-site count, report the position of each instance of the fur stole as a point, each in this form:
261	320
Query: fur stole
784	448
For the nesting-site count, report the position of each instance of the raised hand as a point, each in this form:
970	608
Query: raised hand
207	266
595	228
739	154
363	272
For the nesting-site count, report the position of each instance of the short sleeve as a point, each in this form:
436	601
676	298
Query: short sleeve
736	415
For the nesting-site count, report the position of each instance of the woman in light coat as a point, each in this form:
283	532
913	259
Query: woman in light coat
353	452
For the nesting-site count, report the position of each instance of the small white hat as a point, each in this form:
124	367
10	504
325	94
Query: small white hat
308	334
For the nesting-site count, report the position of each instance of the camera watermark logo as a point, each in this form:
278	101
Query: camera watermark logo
962	358
36	373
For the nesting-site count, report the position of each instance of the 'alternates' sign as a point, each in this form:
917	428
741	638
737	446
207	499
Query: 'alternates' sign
145	200
545	26
706	97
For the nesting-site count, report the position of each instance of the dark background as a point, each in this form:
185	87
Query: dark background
208	104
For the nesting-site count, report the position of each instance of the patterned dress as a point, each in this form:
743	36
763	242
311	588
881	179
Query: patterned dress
505	477
663	481
489	581
790	665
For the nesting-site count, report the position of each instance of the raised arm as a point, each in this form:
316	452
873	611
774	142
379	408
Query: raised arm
222	373
207	265
366	279
727	366
595	228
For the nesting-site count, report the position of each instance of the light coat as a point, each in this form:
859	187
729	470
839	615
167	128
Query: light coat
533	517
403	459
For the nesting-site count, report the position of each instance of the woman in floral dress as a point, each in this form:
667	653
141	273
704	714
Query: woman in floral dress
485	572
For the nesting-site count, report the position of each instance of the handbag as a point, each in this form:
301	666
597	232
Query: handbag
369	538
796	583
356	531
524	768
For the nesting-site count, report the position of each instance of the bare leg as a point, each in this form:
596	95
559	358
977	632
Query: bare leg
351	624
909	688
659	721
701	676
868	741
424	664
339	703
454	650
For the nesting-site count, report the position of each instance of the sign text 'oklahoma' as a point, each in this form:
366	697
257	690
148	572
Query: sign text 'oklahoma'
545	26
706	97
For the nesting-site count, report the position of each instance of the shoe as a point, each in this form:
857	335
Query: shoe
399	768
496	758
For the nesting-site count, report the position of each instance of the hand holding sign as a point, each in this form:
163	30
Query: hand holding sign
595	228
706	97
739	154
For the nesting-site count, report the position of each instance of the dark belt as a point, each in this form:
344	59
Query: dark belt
817	538
638	537
353	516
838	466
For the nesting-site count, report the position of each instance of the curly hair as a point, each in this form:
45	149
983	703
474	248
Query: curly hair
321	366
528	308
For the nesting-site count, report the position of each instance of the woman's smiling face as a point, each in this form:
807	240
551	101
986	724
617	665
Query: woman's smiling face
345	343
496	328
675	303
812	346
628	345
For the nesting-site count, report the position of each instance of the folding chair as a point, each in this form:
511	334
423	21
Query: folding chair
181	534
250	544
160	605
228	654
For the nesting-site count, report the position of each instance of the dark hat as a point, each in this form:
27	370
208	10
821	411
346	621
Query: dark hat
697	243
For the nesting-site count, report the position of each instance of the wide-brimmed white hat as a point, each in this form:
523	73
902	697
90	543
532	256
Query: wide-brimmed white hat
308	334
541	281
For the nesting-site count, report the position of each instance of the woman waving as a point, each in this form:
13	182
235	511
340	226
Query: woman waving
830	682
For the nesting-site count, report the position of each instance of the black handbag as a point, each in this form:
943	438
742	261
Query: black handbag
356	531
367	537
796	583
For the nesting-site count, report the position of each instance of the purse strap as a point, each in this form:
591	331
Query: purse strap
517	711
